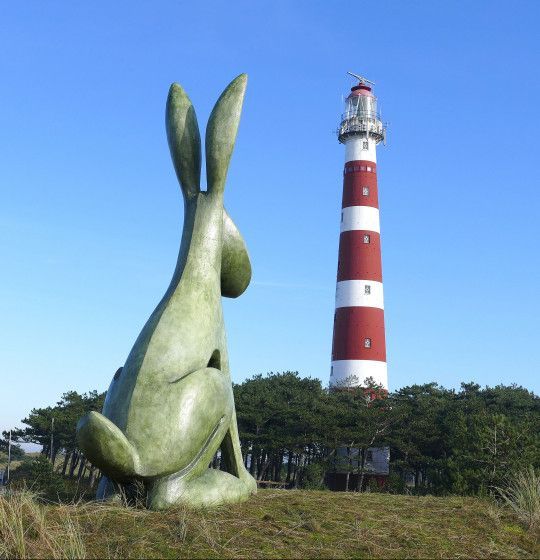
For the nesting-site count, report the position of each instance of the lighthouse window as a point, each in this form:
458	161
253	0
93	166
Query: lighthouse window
365	145
367	342
365	191
367	289
342	217
366	238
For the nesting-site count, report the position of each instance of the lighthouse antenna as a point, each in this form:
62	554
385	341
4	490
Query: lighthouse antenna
361	79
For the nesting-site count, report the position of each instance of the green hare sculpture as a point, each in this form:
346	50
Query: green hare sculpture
171	407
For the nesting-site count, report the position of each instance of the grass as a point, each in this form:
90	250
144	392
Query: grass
273	524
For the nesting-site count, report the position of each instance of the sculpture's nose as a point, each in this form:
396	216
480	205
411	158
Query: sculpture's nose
106	447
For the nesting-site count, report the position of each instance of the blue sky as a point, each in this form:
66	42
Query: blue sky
91	214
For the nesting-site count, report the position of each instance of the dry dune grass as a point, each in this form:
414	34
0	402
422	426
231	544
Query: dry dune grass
274	524
27	531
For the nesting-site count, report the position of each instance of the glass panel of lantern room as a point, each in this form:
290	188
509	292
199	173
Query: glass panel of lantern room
351	107
367	106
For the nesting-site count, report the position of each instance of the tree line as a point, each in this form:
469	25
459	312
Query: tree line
53	428
441	441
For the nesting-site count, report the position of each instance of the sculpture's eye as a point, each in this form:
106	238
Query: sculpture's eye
117	374
215	360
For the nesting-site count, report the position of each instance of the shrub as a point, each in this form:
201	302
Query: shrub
523	495
39	475
313	477
395	484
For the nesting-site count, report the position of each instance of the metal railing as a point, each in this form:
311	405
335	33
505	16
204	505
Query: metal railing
358	124
371	115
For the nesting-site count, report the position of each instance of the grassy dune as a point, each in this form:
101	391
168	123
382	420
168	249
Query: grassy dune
274	524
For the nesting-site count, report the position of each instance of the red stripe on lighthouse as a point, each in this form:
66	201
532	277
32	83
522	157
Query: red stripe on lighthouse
359	260
354	183
352	326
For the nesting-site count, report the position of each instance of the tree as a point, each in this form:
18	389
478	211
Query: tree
67	411
278	418
363	418
17	452
419	446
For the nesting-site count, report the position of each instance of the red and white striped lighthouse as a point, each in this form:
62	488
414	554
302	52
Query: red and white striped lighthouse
359	349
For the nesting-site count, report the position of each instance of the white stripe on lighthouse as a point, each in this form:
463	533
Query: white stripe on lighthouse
343	370
360	217
355	149
359	293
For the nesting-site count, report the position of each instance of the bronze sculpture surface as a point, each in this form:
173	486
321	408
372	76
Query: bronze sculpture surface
171	407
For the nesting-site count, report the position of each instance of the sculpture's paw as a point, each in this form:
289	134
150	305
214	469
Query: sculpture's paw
213	488
106	446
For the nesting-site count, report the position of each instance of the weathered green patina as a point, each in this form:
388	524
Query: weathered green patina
171	407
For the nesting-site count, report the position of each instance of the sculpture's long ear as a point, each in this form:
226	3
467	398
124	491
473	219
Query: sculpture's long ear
184	140
221	133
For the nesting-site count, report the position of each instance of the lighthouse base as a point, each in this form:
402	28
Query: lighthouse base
347	472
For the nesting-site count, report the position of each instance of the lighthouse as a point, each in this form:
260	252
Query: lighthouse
359	347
